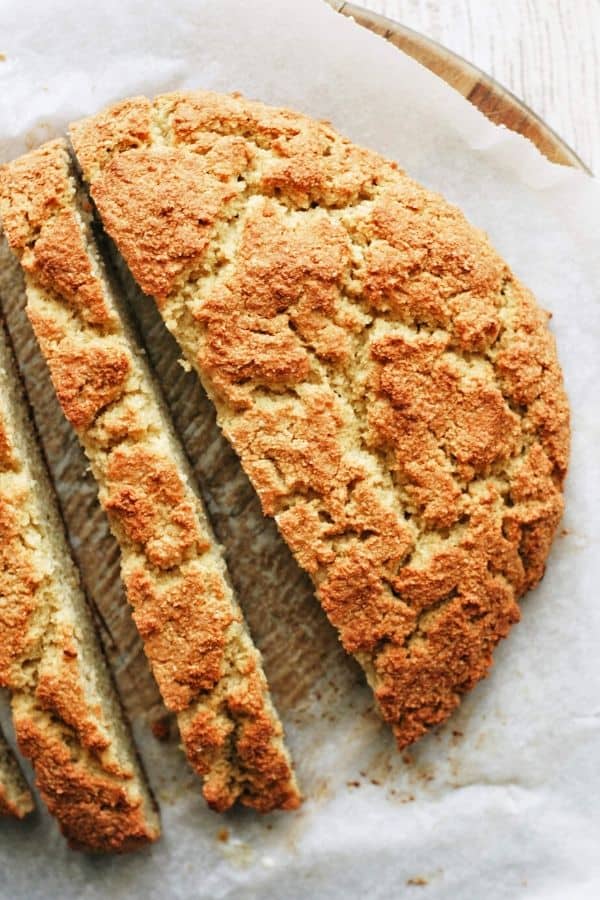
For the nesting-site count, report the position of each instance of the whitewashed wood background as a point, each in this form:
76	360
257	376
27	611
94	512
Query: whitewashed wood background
547	52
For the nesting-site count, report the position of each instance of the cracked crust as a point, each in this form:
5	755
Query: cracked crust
193	631
391	388
15	796
67	718
95	812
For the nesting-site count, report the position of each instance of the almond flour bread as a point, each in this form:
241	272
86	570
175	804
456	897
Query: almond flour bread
390	387
67	718
206	666
15	796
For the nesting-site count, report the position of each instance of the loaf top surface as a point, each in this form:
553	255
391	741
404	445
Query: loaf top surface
392	389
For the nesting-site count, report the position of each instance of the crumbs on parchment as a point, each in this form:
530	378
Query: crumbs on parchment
161	728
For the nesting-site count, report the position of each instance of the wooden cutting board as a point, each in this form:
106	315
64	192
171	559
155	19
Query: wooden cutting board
306	667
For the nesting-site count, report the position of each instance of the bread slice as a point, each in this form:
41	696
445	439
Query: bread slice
67	717
390	387
15	796
206	666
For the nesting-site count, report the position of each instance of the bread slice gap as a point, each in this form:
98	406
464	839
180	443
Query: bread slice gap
392	390
67	716
207	668
15	797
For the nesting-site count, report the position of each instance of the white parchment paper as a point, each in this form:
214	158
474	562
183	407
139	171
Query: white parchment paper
504	802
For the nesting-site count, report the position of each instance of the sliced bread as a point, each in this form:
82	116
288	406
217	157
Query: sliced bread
67	716
207	668
392	390
15	796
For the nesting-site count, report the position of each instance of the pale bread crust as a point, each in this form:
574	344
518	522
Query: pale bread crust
203	659
15	796
97	794
391	388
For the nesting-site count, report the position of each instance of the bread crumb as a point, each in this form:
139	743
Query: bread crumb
417	881
161	728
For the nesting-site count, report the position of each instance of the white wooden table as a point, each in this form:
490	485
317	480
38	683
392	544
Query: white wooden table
547	52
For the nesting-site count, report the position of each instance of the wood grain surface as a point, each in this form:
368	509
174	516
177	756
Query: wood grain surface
546	52
307	669
494	101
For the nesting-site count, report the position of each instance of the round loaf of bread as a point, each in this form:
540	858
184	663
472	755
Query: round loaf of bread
391	388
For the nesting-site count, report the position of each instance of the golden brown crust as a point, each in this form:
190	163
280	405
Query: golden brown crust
37	181
186	642
59	690
7	459
94	812
254	735
19	582
172	569
180	231
127	126
146	495
15	796
47	660
86	379
60	263
7	807
392	390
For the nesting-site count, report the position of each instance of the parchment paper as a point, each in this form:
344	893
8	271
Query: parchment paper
504	800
